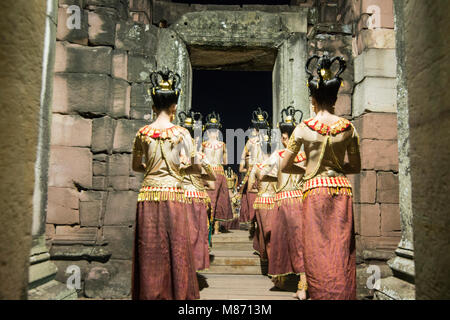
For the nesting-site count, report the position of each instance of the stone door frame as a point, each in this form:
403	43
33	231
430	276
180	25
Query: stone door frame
284	33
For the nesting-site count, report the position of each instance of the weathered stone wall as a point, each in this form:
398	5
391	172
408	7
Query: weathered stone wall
368	98
427	53
100	79
21	50
374	113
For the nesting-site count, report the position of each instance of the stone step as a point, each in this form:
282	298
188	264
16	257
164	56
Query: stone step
237	246
234	258
236	269
232	237
242	287
236	240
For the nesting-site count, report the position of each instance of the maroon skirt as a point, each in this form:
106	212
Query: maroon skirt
220	200
224	212
198	230
243	212
263	231
286	254
329	245
163	260
251	197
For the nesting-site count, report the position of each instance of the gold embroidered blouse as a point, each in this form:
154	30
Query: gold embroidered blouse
325	148
165	153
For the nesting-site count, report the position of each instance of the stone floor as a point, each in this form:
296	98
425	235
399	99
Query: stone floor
236	273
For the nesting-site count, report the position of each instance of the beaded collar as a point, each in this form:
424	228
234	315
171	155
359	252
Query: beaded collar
209	145
161	133
337	127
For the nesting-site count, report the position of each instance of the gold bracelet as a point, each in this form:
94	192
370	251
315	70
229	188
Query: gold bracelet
302	284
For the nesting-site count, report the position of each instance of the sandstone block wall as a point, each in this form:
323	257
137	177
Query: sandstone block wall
96	112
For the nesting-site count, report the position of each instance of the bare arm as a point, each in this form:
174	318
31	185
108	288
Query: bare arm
242	165
138	153
207	172
353	166
294	145
288	166
269	173
195	165
252	177
225	158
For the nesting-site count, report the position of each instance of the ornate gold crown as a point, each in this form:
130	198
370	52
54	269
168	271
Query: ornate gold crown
165	80
259	119
325	76
290	113
189	119
213	121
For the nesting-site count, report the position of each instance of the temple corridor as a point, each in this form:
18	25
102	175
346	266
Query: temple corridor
236	273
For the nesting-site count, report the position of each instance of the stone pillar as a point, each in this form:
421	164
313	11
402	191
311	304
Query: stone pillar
426	52
288	77
401	284
22	30
42	271
172	52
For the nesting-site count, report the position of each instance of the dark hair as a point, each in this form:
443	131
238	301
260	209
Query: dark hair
268	145
325	88
288	123
259	119
287	128
213	121
163	100
190	120
166	92
324	95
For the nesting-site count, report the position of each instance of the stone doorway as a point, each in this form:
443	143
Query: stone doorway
240	40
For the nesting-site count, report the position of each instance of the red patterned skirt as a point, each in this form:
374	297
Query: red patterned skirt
286	254
243	212
220	200
329	244
163	259
264	214
251	197
198	230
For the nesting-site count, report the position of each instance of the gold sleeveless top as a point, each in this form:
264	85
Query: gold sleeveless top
166	153
325	148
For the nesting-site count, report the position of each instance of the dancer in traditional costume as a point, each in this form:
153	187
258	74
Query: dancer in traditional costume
251	155
232	183
286	254
216	153
264	204
163	260
328	232
196	195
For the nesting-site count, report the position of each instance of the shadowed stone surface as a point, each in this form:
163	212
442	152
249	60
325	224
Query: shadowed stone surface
79	172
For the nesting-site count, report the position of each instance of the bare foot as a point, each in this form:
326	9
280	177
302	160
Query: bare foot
300	295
